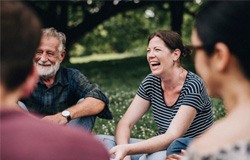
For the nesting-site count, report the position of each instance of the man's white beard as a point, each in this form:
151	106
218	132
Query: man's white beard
48	71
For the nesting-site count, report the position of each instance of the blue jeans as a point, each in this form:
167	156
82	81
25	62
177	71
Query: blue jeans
87	122
109	142
179	144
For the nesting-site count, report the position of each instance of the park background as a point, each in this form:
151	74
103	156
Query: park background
107	40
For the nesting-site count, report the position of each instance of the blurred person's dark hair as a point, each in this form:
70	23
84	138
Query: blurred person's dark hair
20	37
230	25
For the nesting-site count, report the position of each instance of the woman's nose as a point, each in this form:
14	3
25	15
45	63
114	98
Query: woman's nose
151	54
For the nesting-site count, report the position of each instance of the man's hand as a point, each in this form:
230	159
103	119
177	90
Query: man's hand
57	118
176	156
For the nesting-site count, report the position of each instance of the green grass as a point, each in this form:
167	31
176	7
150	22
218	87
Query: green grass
119	79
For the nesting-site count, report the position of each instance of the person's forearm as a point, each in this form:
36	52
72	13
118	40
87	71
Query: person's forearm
122	134
151	145
89	106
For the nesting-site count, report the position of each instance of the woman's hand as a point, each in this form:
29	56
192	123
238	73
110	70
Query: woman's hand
119	152
127	158
176	156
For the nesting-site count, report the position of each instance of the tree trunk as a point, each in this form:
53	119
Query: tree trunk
177	10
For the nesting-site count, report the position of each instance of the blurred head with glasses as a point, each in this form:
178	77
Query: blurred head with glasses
221	40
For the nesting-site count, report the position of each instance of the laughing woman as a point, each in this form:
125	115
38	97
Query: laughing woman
180	104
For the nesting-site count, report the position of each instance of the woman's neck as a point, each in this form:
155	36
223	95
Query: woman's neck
174	79
236	95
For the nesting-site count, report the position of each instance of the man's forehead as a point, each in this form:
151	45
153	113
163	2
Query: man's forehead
49	41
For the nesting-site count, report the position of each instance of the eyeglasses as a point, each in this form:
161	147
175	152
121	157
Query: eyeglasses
194	49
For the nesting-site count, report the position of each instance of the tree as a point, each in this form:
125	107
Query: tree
76	18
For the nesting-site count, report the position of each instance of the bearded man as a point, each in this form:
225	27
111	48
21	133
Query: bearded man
64	95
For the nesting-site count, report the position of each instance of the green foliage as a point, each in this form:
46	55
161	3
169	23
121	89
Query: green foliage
188	22
101	26
123	32
187	28
218	108
120	79
128	31
75	16
117	34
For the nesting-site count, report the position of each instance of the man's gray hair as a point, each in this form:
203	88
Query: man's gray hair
52	32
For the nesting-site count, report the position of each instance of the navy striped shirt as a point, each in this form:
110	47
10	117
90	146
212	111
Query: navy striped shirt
193	94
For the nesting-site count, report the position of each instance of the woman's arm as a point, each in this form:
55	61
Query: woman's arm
136	110
177	128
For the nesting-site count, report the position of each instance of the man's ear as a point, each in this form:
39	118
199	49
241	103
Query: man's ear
30	83
221	57
62	55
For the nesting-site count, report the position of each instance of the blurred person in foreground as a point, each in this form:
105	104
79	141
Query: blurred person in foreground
221	40
180	105
24	136
64	95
